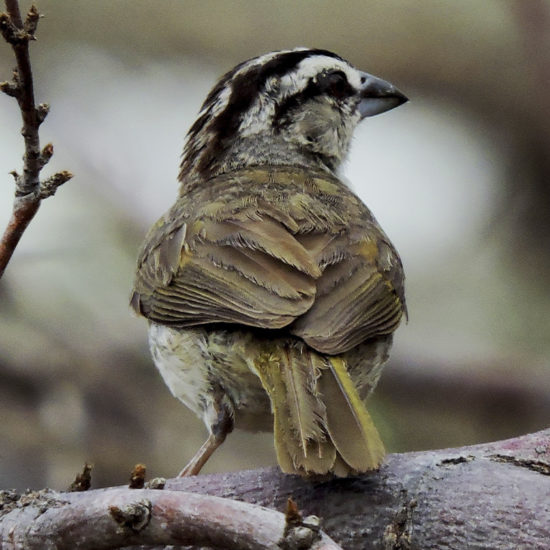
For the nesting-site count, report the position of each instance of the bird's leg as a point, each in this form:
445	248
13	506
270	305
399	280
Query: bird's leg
222	425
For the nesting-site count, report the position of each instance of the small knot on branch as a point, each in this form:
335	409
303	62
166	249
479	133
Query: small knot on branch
157	483
134	516
49	187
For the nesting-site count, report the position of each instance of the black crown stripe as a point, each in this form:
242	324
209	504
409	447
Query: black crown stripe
244	89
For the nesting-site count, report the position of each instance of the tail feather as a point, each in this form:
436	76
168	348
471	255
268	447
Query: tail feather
320	423
349	425
341	468
307	411
267	367
282	432
319	458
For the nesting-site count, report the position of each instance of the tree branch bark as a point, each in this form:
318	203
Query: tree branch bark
116	518
494	495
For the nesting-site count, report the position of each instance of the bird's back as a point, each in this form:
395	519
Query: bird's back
273	248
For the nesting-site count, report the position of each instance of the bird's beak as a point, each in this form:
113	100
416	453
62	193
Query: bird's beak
378	96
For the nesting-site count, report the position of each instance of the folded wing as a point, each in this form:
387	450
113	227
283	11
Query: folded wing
359	296
233	270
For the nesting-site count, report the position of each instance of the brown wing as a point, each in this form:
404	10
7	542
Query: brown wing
223	266
360	294
269	248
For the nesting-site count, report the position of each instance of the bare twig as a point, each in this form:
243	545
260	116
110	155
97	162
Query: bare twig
28	189
49	186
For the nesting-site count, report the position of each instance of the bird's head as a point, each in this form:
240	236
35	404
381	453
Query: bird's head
297	107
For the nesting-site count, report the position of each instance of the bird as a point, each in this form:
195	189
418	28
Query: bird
270	290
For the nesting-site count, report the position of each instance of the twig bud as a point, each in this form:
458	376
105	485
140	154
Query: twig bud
10	88
42	112
12	34
49	187
137	477
7	28
292	513
31	22
46	154
83	480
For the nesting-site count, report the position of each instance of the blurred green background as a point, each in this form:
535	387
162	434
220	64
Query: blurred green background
459	179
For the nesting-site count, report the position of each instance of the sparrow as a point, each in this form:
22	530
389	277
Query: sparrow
270	290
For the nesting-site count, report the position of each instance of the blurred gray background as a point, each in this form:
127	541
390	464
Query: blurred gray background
459	179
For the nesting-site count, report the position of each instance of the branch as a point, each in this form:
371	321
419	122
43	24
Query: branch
492	495
28	189
116	518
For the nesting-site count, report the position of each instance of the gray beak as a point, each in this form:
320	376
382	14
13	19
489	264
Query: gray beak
378	96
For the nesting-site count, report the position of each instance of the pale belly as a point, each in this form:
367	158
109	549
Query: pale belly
195	363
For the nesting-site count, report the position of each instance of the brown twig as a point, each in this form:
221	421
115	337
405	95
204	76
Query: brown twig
28	190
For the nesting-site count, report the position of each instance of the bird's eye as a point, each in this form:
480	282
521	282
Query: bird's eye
334	83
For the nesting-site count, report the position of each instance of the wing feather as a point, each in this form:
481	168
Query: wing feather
265	235
356	298
234	270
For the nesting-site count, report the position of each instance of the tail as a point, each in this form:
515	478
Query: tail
321	425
